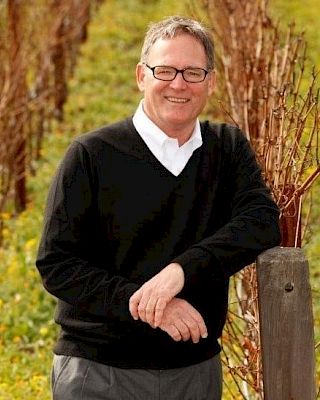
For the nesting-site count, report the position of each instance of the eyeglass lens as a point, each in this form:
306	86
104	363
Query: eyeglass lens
169	73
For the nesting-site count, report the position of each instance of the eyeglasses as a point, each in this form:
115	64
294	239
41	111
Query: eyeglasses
165	73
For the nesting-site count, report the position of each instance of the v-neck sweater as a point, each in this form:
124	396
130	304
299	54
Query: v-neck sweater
115	217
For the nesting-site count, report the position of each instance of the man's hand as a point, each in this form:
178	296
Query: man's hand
149	302
183	322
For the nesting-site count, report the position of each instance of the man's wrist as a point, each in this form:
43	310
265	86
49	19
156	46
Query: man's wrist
177	269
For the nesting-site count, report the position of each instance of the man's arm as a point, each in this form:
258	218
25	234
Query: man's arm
66	257
253	227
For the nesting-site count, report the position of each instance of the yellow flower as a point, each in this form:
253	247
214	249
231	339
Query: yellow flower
5	233
44	331
4	385
37	382
17	298
13	266
30	244
5	216
17	339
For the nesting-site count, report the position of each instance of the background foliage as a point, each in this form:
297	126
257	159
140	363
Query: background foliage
101	91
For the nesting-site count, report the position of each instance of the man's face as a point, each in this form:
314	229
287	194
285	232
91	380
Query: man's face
174	105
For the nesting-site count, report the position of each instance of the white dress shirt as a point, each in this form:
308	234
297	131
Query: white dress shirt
166	149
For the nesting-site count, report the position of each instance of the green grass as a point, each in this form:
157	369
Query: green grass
305	14
103	90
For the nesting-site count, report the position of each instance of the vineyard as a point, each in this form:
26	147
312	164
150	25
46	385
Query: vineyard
69	67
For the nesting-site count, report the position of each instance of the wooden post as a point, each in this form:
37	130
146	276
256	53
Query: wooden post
286	325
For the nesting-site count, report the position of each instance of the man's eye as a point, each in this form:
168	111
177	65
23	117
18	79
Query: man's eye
193	72
164	71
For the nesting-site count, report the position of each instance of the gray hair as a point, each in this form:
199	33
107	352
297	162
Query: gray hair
174	26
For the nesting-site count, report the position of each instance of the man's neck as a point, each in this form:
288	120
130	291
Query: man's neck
182	137
182	134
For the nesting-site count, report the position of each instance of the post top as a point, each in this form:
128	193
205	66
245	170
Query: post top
282	254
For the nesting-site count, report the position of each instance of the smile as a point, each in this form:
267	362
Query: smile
177	100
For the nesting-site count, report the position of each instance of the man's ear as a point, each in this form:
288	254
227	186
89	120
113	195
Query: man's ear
212	82
140	76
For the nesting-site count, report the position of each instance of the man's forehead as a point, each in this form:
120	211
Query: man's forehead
176	37
165	47
162	42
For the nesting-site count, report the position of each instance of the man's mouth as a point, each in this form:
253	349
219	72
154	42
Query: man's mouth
177	99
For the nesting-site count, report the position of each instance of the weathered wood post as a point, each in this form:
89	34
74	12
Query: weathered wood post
286	325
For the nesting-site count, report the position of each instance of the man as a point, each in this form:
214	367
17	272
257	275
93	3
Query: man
146	221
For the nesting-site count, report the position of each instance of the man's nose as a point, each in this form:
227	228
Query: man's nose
178	82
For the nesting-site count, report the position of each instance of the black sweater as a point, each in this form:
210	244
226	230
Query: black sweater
115	217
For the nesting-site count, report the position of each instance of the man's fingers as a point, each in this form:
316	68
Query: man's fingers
147	306
173	332
159	309
141	305
183	329
133	304
199	322
194	330
152	311
149	312
197	329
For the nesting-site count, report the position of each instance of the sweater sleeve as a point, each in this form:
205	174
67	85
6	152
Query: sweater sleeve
66	261
252	227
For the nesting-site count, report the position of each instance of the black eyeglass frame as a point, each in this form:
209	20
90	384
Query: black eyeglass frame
206	72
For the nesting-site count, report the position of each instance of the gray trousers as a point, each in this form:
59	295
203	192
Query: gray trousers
76	378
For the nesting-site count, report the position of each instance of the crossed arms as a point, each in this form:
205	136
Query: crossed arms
155	303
